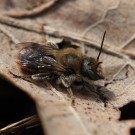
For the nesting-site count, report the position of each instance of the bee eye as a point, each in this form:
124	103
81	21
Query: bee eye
88	64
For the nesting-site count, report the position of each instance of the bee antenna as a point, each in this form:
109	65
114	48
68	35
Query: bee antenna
101	46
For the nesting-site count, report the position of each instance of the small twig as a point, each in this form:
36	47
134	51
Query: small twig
22	124
34	11
19	24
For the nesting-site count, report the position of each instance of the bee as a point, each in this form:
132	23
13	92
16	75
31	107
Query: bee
65	66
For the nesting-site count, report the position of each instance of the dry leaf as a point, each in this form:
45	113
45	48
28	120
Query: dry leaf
83	24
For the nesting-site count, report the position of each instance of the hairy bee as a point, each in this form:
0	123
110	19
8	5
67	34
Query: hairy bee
65	65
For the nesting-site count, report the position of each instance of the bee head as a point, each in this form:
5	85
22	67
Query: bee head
91	67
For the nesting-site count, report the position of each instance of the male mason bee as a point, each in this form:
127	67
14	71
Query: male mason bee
65	66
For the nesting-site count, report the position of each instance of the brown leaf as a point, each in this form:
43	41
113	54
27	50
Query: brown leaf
26	8
82	23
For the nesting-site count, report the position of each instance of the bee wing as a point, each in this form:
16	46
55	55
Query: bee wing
38	57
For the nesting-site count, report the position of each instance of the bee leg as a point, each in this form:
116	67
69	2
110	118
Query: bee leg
21	77
71	95
40	76
69	90
66	82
